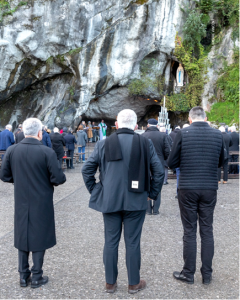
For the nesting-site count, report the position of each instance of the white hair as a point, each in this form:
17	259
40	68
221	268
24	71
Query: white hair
185	125
55	129
9	126
222	128
162	129
32	126
233	128
127	118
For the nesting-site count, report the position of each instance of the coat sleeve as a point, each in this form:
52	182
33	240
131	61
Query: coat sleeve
175	153
166	147
221	157
86	138
49	144
230	142
12	138
6	171
57	176
90	168
157	173
64	141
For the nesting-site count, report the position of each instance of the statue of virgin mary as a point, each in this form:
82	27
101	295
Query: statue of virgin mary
180	75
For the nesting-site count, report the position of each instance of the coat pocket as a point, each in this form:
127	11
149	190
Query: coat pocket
96	198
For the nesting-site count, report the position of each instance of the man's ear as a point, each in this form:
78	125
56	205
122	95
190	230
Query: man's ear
40	135
116	123
205	120
190	120
136	127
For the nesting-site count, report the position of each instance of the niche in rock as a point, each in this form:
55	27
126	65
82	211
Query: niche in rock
176	66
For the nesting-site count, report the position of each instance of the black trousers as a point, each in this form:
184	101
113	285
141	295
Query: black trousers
60	162
154	205
166	174
233	169
113	223
23	265
225	171
194	205
70	154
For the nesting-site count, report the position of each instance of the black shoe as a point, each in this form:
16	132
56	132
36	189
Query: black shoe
156	213
38	283
148	213
25	282
180	276
176	197
72	168
164	183
207	280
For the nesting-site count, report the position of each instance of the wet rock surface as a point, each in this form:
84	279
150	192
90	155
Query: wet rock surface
99	43
75	265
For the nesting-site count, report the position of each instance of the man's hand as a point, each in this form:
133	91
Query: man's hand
149	199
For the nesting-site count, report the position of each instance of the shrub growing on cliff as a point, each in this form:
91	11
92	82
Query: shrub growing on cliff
228	82
150	80
227	109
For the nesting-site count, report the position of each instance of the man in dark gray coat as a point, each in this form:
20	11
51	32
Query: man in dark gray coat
34	170
198	151
162	147
125	161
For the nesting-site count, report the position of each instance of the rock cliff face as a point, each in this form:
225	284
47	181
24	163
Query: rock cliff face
218	54
61	60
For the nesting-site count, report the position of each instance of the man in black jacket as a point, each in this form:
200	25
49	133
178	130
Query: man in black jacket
228	143
162	147
233	169
34	170
70	140
173	135
198	150
58	142
19	136
125	160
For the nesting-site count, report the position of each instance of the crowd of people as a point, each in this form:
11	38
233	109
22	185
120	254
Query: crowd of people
58	139
133	168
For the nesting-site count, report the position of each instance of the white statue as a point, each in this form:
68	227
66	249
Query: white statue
180	75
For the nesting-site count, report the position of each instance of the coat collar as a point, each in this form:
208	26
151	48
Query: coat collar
200	124
31	141
152	128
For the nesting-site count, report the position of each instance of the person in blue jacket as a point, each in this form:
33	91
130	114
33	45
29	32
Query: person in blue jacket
6	138
46	138
70	140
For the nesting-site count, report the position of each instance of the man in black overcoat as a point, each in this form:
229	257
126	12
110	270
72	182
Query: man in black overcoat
34	170
125	161
233	169
70	141
228	143
58	142
198	150
162	147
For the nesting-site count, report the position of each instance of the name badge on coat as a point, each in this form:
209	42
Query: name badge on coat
135	184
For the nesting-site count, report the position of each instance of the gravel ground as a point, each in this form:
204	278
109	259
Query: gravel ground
75	266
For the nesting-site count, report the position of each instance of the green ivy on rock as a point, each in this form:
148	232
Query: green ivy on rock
227	108
196	70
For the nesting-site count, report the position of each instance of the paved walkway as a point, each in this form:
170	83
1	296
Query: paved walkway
75	266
